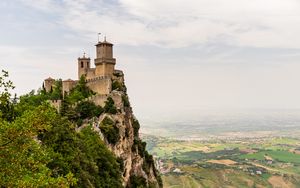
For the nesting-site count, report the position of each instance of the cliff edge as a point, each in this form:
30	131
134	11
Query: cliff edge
119	129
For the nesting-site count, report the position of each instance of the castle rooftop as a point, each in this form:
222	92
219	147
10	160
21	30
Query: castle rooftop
49	79
104	42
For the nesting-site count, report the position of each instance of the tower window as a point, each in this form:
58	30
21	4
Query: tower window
81	64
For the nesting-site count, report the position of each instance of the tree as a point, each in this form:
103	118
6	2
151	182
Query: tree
22	158
109	106
6	108
84	154
87	109
56	93
79	92
110	130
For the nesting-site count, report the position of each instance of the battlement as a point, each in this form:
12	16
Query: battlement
99	78
56	104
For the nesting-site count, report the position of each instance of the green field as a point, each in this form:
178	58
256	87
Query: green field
222	163
280	156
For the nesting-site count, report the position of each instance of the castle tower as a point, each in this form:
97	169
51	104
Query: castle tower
105	63
49	84
83	66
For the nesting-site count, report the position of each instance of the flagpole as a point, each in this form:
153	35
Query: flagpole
98	37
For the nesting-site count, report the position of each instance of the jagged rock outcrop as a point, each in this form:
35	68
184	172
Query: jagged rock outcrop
119	130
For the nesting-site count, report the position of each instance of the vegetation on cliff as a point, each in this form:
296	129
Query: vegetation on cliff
40	147
45	146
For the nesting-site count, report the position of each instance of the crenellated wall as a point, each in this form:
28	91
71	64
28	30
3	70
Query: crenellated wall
100	85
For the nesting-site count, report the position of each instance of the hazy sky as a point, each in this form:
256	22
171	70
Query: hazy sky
177	55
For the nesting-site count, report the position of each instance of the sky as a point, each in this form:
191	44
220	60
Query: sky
178	56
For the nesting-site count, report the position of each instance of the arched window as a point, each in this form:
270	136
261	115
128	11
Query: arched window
81	64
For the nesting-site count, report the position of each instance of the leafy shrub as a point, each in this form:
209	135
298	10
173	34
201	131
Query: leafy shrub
79	92
116	85
110	130
136	127
125	101
137	182
84	154
121	163
140	145
56	91
23	160
109	106
117	74
88	109
148	162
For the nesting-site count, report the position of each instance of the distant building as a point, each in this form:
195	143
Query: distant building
258	172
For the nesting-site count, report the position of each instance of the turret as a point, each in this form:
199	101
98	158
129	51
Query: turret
83	66
105	63
48	84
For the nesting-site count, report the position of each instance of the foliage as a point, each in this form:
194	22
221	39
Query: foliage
109	106
6	107
87	109
137	182
136	127
148	162
125	101
5	86
41	148
79	92
68	111
116	85
22	159
121	163
33	99
82	153
110	130
56	92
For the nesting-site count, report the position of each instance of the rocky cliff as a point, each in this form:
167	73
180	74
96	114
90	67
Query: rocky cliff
120	131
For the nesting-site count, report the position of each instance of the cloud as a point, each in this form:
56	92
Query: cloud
174	23
176	54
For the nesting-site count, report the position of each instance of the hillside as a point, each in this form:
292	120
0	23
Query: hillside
50	140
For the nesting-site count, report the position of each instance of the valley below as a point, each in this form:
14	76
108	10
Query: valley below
227	156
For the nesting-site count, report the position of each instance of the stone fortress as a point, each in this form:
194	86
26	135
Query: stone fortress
103	80
98	79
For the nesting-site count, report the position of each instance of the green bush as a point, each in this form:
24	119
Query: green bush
84	154
116	85
137	182
109	106
148	162
125	101
79	92
88	109
56	92
136	127
110	130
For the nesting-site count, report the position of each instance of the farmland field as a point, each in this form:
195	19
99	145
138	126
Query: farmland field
257	162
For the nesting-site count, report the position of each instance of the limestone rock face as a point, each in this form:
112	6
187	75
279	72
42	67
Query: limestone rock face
138	165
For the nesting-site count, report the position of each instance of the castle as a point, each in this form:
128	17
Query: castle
98	79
